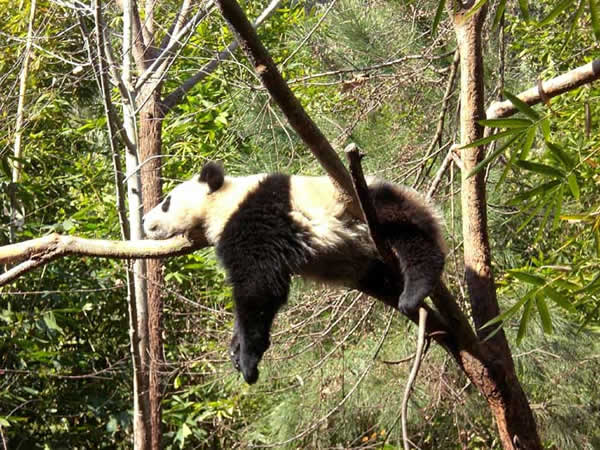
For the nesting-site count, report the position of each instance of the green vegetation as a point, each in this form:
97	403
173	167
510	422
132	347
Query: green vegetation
331	378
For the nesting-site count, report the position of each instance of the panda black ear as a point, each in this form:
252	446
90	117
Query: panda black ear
212	174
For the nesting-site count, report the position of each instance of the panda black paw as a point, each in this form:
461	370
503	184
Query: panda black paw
409	304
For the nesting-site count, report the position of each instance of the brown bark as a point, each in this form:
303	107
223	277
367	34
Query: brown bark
500	386
150	143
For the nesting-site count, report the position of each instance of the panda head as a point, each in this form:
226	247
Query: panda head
187	206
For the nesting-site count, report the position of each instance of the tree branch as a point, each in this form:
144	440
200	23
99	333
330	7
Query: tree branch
550	88
289	104
40	251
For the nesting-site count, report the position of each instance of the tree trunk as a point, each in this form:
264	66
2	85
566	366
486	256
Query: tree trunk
150	144
499	383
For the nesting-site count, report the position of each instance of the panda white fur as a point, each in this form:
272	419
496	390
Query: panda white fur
268	227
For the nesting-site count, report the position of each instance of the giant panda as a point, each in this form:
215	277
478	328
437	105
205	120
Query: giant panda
267	227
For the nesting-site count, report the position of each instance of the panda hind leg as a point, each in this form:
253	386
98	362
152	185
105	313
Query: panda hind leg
422	263
254	317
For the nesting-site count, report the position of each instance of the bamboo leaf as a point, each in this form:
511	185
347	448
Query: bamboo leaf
506	123
524	9
558	207
558	298
542	169
594	14
527	277
542	308
555	12
492	138
474	9
542	226
562	156
499	14
528	143
522	106
572	180
511	311
574	23
438	16
544	188
524	321
491	156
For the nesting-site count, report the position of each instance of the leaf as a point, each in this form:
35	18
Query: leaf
524	9
50	322
544	188
511	311
574	23
506	123
540	168
491	156
527	144
527	277
555	12
593	4
558	298
542	308
560	154
524	321
557	207
499	14
438	16
474	9
522	106
572	180
488	139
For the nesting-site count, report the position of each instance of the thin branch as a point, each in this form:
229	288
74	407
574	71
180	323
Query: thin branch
177	95
440	124
440	173
157	70
551	88
413	373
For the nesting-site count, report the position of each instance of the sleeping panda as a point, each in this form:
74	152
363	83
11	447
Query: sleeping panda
268	227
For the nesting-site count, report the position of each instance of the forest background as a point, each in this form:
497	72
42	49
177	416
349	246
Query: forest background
376	73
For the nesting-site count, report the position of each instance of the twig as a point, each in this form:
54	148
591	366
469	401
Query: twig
413	373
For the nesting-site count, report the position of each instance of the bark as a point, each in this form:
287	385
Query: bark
150	148
550	88
500	386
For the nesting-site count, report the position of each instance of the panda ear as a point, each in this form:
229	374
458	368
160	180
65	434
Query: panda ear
212	174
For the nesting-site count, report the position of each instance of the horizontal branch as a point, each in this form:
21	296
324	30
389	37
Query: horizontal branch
550	88
40	251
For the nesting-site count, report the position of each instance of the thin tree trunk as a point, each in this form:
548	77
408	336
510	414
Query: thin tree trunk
16	212
150	148
137	295
514	418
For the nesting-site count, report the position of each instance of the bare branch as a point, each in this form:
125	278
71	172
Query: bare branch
413	373
175	97
550	88
40	251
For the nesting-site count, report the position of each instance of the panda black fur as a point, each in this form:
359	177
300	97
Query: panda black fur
268	227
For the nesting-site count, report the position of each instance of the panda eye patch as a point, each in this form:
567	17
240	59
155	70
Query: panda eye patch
165	204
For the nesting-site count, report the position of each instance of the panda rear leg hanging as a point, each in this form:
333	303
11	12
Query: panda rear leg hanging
422	263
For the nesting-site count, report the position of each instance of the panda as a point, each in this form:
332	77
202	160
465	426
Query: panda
267	227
